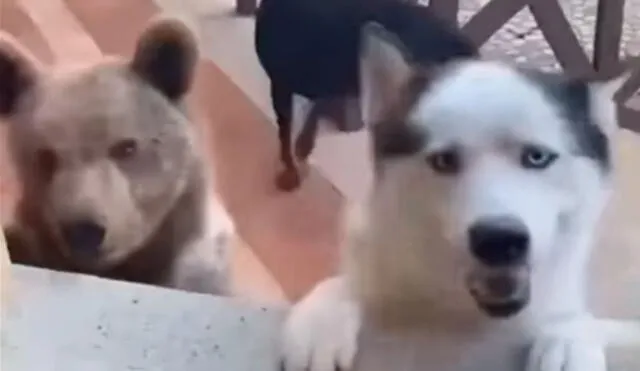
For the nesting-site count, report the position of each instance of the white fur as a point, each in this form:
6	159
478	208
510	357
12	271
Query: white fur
406	252
331	338
204	266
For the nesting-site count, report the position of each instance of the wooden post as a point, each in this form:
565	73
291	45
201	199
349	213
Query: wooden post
558	32
491	18
608	37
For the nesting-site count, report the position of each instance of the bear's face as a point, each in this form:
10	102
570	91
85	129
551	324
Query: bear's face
103	152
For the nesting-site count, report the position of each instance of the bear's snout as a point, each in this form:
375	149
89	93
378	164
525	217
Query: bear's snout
84	237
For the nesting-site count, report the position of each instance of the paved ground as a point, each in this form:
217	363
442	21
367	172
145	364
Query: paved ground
521	39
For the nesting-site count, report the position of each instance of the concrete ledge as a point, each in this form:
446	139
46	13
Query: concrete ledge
67	322
60	321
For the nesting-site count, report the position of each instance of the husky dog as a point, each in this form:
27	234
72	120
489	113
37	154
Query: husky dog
473	244
309	50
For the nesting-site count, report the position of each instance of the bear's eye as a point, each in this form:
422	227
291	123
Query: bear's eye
123	149
47	163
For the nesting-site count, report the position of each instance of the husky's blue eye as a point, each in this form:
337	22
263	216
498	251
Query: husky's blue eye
537	158
445	162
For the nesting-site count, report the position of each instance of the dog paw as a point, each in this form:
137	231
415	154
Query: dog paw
321	331
566	354
288	180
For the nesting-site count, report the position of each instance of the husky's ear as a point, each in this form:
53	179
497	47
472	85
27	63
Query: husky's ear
166	56
384	68
19	72
603	105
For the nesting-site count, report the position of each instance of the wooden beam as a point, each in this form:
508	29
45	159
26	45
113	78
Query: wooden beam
629	88
629	118
608	37
491	18
559	34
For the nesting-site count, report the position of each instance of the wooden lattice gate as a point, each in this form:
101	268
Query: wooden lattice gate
557	31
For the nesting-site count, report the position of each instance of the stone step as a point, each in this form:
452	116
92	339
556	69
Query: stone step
62	321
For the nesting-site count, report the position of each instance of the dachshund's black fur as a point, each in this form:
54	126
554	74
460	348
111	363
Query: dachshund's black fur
310	48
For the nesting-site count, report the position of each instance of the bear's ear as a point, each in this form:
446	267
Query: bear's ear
18	73
166	56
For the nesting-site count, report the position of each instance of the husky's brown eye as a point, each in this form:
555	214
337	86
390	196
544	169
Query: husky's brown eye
537	158
124	149
445	162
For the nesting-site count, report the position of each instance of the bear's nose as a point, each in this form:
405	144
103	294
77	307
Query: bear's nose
83	236
499	241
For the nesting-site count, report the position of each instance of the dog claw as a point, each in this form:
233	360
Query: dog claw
555	354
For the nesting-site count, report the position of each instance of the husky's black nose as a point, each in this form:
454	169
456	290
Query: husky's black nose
83	236
499	241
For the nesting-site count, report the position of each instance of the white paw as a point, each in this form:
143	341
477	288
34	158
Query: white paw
551	353
203	266
321	331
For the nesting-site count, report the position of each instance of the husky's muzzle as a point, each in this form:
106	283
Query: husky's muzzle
500	278
500	292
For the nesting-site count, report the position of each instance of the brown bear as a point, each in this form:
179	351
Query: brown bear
114	182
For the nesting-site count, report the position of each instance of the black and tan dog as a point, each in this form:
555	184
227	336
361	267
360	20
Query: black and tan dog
309	48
